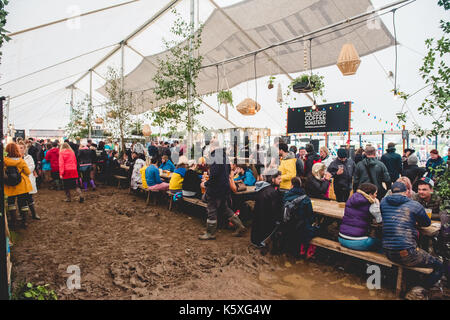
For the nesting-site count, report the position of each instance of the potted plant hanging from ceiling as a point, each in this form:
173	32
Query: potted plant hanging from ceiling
308	83
225	97
271	80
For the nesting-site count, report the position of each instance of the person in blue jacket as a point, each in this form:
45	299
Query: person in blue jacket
400	216
153	179
245	175
167	164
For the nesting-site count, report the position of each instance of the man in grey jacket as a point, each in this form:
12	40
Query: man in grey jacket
373	171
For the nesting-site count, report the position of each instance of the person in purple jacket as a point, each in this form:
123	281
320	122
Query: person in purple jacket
362	206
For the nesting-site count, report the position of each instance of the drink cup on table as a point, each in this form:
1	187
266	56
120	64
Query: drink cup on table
429	212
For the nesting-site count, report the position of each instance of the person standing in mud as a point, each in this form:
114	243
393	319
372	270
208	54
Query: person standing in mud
218	193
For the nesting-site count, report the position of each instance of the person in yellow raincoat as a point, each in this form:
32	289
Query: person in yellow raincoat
20	190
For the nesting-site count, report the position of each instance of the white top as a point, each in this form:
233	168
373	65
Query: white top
30	163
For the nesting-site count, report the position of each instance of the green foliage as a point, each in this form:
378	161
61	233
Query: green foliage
225	97
81	114
176	78
435	72
315	82
29	292
3	14
443	189
136	129
271	80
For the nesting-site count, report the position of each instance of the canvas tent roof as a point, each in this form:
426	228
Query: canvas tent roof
44	97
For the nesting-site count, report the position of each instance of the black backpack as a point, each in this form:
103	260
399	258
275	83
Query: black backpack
12	176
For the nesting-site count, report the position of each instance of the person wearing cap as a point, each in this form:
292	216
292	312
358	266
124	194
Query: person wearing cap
392	161
406	154
427	198
372	170
268	208
400	216
435	165
342	169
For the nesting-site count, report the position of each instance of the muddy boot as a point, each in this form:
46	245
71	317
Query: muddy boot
240	227
12	221
85	186
34	215
23	214
210	233
93	185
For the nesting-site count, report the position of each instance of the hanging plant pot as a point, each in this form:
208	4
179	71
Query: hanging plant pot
270	86
112	114
146	130
83	123
348	61
248	107
308	83
225	97
271	80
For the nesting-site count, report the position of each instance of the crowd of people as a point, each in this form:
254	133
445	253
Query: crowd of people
393	191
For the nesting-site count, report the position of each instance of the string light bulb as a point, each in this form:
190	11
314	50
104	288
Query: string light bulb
314	107
395	94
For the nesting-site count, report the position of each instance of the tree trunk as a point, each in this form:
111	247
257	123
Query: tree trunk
122	142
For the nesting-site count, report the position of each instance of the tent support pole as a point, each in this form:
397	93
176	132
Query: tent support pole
4	290
90	104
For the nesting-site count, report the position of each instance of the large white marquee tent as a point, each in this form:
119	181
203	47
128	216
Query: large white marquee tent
39	65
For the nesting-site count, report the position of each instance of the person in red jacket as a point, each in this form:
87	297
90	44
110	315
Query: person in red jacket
68	171
52	156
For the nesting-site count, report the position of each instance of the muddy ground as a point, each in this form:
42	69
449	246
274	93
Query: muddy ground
126	250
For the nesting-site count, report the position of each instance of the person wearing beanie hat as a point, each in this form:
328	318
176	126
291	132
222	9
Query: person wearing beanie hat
400	237
413	171
392	161
342	169
310	159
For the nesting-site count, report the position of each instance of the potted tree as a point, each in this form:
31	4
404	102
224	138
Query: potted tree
225	97
271	80
308	83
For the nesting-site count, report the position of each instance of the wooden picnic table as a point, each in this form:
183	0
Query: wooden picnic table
250	190
333	210
124	167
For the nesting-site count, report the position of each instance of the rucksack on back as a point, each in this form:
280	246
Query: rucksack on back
12	176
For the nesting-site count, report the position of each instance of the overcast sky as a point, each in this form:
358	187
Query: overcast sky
47	108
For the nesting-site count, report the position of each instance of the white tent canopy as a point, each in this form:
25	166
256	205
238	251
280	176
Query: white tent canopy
41	100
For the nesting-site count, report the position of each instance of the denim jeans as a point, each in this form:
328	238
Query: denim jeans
369	244
416	257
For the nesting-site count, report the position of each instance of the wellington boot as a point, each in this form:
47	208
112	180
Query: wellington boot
12	221
240	227
210	233
34	215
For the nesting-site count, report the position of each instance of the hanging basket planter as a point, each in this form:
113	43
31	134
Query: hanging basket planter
112	114
225	97
83	123
308	83
348	61
271	80
146	130
248	107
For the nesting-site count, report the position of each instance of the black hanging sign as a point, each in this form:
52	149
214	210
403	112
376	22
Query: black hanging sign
332	117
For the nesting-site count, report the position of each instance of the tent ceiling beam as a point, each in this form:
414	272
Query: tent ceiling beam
154	18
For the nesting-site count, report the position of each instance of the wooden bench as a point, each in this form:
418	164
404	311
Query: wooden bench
119	179
194	201
149	195
368	256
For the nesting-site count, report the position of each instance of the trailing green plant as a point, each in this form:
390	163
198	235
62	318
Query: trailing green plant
3	14
270	82
435	71
81	112
27	291
225	97
315	82
442	188
176	78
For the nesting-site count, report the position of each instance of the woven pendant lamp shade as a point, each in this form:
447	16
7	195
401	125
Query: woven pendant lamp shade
99	121
146	130
348	61
248	107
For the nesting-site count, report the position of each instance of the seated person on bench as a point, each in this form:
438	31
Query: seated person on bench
176	181
359	209
166	164
192	181
245	175
153	179
318	182
400	215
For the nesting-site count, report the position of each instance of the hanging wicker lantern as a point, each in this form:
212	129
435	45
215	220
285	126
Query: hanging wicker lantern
279	94
348	61
146	130
248	107
99	120
83	123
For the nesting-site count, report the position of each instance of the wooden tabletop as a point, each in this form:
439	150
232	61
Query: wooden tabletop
331	209
250	190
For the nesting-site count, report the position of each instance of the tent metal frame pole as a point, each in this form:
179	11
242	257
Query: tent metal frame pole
154	18
7	115
90	104
189	97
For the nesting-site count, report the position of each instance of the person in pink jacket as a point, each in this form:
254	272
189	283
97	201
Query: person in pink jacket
68	171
